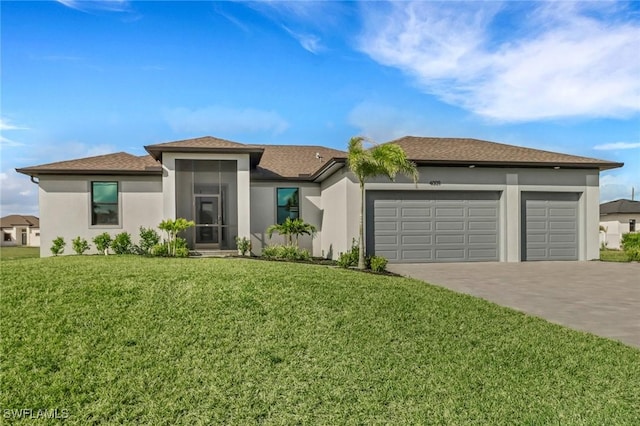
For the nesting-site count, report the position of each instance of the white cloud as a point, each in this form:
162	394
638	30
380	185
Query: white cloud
5	124
617	185
308	42
564	60
18	195
106	5
224	120
383	122
617	145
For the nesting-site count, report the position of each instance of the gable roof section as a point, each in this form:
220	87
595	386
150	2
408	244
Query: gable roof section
620	206
464	151
118	163
203	144
19	220
294	161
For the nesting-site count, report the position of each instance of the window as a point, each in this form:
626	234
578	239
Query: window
288	204
632	225
7	236
104	203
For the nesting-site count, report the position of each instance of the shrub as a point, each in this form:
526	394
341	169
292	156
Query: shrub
121	243
149	238
80	245
103	242
244	245
178	248
349	258
58	246
285	252
172	228
377	263
631	246
292	229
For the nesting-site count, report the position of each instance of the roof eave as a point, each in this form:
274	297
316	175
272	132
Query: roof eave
527	164
35	173
156	151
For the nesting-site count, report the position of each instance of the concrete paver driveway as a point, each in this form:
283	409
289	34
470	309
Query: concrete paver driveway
602	298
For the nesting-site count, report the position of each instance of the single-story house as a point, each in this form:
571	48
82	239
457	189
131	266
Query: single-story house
616	219
20	230
475	200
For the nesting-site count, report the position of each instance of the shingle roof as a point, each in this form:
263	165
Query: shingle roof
120	162
620	206
293	161
475	151
301	161
203	144
19	220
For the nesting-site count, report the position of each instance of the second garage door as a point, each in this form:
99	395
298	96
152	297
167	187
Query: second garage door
433	226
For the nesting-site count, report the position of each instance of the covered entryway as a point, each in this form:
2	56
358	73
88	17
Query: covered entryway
433	226
550	226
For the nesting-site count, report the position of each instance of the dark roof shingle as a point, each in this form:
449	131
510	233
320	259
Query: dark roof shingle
620	206
475	151
120	162
19	220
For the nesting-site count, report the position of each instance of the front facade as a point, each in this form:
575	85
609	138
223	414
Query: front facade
20	230
474	201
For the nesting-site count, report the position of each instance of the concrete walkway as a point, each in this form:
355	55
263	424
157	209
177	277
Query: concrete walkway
602	298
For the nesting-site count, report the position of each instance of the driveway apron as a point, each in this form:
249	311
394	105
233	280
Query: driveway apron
602	298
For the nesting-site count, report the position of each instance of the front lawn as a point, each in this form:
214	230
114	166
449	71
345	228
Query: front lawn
123	339
13	253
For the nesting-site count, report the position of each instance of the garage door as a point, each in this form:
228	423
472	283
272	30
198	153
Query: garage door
550	229
430	226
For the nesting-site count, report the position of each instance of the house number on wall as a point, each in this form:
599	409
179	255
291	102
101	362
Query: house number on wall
435	183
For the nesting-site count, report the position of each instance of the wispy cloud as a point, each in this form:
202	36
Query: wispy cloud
618	184
18	195
106	5
309	42
225	120
564	60
6	124
617	146
382	122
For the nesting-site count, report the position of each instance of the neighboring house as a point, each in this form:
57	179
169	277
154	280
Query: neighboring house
618	218
19	230
475	200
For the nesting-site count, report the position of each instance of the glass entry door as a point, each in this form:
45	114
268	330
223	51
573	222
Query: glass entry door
208	221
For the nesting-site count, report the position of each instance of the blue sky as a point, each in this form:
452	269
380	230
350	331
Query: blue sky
89	78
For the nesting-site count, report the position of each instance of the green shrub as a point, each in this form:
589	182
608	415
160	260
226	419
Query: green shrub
377	263
285	252
149	238
103	242
178	248
349	258
58	246
80	245
121	243
244	245
631	246
160	250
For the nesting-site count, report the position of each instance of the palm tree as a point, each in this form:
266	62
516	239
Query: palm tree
387	159
292	228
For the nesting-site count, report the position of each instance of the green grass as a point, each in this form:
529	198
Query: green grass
13	253
232	341
609	255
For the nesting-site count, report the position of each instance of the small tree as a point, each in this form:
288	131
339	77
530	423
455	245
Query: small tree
103	242
173	228
388	160
292	229
80	245
58	246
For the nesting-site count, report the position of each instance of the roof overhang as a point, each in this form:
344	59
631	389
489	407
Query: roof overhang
34	173
255	153
522	164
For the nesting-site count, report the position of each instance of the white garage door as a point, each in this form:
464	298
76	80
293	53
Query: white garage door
550	229
433	226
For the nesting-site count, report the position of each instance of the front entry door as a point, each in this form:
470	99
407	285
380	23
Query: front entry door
208	221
